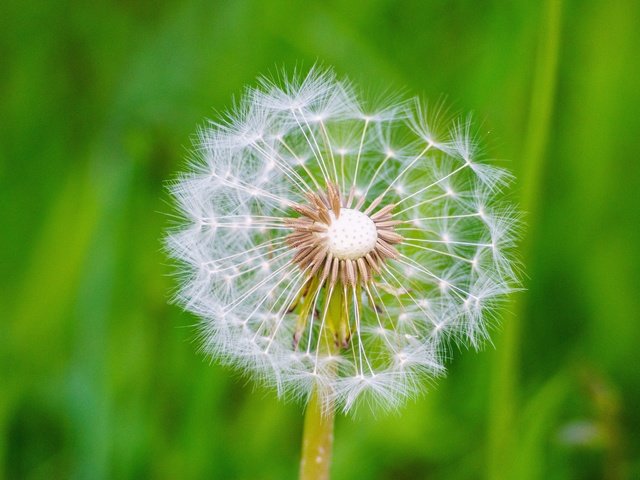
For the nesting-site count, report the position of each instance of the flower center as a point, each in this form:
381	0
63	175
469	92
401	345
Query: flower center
352	235
339	243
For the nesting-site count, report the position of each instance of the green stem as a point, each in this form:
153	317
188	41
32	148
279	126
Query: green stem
503	415
317	440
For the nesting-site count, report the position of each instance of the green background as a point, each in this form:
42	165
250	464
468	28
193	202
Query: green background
100	377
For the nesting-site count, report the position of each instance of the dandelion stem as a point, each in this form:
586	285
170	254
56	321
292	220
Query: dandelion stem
317	440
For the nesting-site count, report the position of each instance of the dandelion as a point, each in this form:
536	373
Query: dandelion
333	248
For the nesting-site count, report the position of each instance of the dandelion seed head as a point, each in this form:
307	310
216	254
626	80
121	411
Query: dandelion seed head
335	244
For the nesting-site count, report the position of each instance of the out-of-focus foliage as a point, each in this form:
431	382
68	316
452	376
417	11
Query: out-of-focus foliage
100	377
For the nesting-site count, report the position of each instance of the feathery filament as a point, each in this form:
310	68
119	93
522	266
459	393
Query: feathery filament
330	244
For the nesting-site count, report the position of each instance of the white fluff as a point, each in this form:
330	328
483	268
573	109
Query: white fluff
291	135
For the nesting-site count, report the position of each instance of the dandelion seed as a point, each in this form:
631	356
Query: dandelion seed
329	249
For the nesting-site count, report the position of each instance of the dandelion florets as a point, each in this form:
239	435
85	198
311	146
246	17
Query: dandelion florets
324	247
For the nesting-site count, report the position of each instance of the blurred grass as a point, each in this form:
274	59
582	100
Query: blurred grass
100	378
504	455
